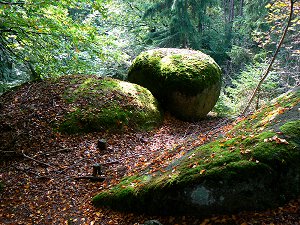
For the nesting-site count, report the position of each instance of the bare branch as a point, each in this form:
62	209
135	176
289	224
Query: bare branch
40	162
267	71
57	151
12	3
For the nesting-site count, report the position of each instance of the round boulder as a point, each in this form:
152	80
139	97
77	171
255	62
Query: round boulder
186	82
99	104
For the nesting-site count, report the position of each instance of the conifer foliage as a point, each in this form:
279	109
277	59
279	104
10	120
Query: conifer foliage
185	23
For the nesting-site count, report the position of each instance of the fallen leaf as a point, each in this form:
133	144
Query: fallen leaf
202	171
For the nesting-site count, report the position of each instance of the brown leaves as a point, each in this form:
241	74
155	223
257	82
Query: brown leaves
277	140
61	200
245	152
202	171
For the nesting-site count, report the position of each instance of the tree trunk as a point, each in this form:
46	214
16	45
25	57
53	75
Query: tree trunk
229	16
266	73
241	7
231	11
257	100
34	76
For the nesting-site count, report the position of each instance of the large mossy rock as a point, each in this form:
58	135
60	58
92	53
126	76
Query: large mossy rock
185	82
82	103
108	104
256	166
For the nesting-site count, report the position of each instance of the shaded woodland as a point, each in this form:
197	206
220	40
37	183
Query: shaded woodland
72	126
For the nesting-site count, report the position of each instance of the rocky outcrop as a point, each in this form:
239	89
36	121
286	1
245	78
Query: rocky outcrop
254	167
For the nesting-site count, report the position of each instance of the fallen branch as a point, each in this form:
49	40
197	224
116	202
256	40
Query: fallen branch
267	71
110	163
31	172
57	151
35	160
69	167
91	178
14	153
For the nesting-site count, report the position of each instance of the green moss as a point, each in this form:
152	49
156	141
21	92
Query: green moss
148	66
123	200
292	129
71	123
266	117
190	75
90	120
255	153
290	99
123	196
269	151
104	104
215	161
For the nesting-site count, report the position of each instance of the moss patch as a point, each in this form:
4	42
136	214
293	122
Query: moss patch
292	129
254	167
98	104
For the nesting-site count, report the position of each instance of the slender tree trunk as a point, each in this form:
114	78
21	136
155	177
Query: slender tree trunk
266	73
34	76
241	7
200	15
257	100
228	16
231	11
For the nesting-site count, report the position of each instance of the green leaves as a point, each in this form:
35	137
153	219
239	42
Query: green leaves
46	35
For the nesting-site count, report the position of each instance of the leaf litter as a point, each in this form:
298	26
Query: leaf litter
40	188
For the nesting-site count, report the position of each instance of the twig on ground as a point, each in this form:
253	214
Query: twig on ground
110	163
91	178
29	171
35	160
57	151
14	153
71	166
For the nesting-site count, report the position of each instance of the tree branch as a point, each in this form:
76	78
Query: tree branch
267	71
57	151
40	162
12	3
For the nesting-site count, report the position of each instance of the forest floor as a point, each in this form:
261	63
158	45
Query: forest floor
40	187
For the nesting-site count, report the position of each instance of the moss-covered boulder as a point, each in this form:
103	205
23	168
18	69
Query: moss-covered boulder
99	104
81	103
185	82
254	167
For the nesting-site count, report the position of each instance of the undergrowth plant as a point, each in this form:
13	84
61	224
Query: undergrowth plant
234	98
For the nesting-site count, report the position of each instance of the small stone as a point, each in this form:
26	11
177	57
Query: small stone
101	145
97	169
152	222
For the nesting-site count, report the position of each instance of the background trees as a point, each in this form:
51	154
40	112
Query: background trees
189	24
46	38
49	38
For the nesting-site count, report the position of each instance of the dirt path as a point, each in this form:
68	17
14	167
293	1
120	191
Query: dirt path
46	193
